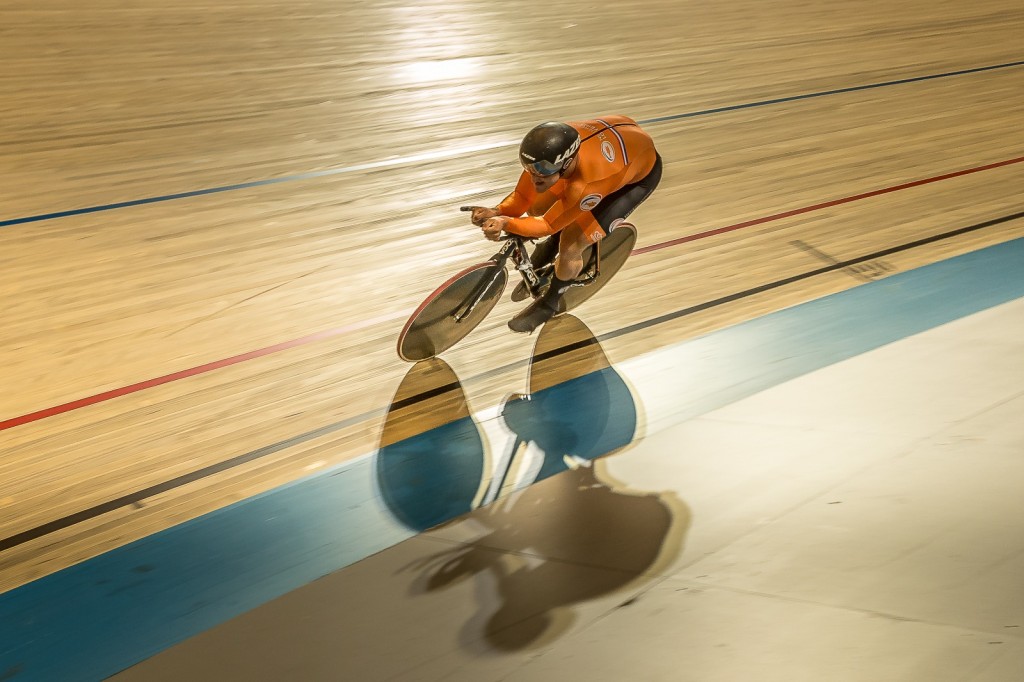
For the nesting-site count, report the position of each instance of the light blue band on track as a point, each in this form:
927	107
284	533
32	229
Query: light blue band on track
91	620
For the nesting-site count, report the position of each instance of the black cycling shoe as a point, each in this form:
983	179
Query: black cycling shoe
532	316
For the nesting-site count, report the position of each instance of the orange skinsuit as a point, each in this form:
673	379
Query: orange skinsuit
614	152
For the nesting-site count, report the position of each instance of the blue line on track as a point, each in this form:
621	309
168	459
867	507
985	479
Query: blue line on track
348	169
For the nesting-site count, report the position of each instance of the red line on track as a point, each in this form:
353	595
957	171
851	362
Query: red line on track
201	369
234	360
827	204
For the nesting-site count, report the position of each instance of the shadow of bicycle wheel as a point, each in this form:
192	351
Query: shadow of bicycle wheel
430	463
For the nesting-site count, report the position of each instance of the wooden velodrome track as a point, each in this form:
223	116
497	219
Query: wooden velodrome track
379	120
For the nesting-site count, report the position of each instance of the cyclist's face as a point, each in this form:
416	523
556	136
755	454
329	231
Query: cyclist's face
542	183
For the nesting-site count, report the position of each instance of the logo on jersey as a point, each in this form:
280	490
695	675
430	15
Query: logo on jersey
607	151
590	202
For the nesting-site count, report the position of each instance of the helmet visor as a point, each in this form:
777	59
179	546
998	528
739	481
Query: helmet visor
541	168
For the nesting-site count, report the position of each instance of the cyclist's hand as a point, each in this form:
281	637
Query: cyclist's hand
494	226
480	214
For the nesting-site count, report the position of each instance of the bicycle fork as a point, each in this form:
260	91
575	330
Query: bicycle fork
513	247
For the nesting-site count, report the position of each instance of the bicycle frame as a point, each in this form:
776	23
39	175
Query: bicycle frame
455	308
513	248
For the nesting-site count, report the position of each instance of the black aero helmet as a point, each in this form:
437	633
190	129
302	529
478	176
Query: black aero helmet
548	148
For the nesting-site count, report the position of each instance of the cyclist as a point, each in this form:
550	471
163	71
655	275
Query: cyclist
580	180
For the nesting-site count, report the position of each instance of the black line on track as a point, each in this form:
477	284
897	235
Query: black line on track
185	479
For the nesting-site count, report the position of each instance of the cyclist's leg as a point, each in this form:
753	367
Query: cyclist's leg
545	251
617	206
571	243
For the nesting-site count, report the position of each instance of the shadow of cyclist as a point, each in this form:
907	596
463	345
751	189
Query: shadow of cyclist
430	464
552	544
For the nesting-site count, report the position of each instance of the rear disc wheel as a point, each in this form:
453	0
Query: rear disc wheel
615	249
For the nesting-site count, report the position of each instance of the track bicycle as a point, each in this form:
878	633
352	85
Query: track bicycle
456	307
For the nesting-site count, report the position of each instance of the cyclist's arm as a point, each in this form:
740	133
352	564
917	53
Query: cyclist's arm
562	213
531	227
